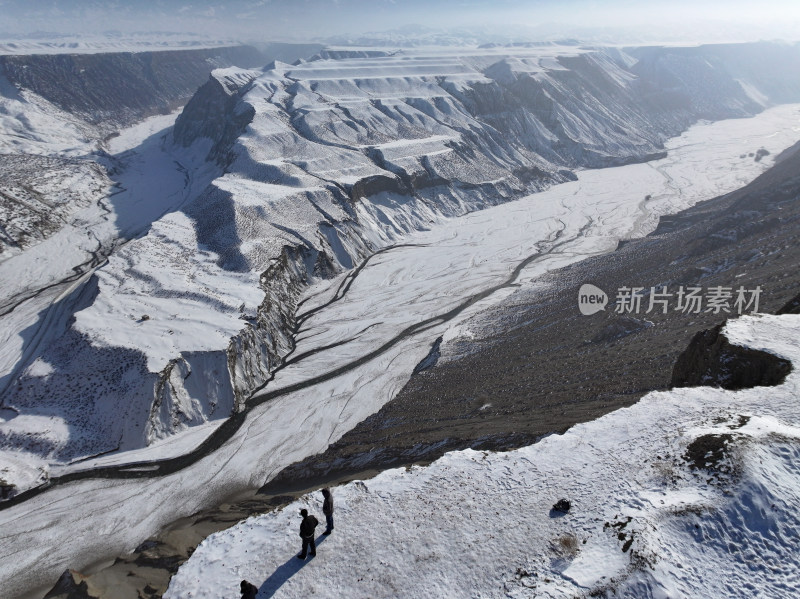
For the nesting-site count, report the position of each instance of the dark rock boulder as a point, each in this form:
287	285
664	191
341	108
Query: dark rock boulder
711	360
70	586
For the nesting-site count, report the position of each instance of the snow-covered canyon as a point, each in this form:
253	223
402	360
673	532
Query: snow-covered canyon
289	178
324	163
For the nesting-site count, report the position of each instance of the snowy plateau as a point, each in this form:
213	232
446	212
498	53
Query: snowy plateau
195	300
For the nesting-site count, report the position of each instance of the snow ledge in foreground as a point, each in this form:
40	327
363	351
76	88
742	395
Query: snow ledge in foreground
653	513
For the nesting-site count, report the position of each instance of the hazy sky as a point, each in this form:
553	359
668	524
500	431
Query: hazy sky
306	19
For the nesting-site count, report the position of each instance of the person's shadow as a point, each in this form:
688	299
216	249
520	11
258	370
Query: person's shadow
284	572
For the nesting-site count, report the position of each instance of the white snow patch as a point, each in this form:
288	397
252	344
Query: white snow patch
190	302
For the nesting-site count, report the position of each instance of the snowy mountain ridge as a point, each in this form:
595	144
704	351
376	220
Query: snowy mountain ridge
104	44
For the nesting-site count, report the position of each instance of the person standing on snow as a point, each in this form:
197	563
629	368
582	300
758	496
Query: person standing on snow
327	509
307	527
249	591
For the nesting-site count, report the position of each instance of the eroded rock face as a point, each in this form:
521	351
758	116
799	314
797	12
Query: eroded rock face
710	360
216	112
119	89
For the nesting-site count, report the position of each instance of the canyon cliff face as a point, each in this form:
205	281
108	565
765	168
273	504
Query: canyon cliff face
711	360
56	112
323	163
366	146
111	91
216	113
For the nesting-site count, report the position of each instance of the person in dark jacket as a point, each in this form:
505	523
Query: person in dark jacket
249	591
307	527
327	509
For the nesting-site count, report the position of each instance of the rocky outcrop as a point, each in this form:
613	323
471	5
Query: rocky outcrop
183	400
791	307
373	185
71	585
711	360
255	353
217	113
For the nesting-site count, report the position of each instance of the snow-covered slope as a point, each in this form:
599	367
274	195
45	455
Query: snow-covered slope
111	90
326	162
58	114
77	181
690	493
